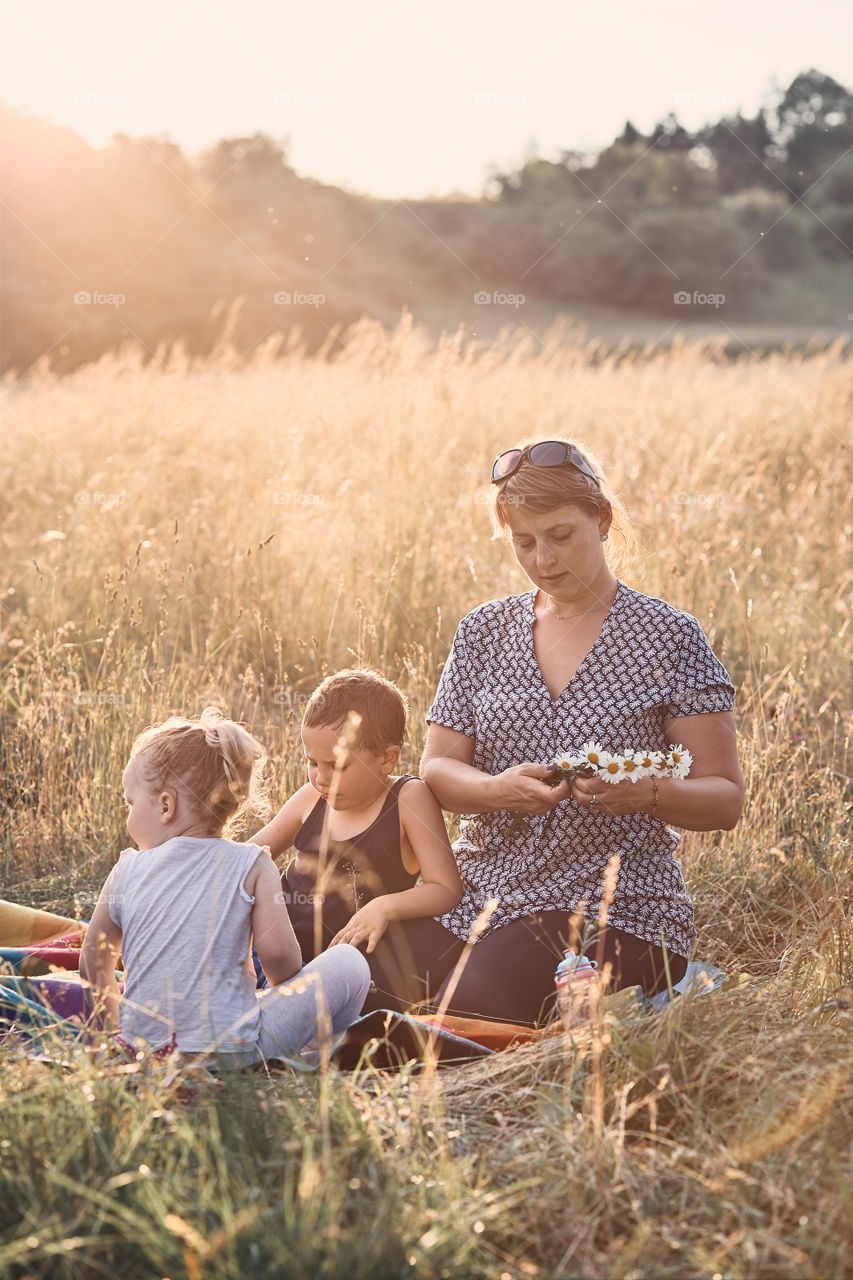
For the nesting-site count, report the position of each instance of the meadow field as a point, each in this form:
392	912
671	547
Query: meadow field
176	533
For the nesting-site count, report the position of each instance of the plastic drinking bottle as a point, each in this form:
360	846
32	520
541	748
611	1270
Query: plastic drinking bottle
576	978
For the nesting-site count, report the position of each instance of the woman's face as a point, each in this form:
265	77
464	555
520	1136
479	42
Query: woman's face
560	551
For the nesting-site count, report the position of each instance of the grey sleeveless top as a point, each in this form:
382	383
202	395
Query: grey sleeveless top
185	919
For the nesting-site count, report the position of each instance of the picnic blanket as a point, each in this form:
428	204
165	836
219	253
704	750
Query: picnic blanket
37	1030
37	1009
36	942
387	1040
35	999
62	954
22	926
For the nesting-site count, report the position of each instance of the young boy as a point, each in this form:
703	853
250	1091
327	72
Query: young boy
362	834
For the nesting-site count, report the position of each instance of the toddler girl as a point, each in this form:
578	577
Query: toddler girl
182	909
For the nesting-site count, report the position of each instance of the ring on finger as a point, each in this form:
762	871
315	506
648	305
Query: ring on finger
593	800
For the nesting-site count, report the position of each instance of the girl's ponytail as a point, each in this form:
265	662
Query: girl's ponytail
214	761
239	751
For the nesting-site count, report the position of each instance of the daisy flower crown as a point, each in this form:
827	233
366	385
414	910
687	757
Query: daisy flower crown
593	761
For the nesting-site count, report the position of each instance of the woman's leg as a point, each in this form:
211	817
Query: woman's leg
510	973
331	987
409	964
634	962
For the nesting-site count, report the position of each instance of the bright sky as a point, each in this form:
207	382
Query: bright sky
408	97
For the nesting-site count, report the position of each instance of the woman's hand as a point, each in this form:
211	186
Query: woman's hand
709	799
370	922
522	789
447	768
613	799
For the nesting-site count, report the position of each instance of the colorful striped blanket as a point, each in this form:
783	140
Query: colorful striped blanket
36	1000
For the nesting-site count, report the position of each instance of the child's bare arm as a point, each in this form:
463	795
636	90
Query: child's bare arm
277	835
277	947
423	831
98	958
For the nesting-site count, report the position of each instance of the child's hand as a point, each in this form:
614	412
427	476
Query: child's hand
369	922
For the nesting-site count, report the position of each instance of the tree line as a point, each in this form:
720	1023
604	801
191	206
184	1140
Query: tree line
140	241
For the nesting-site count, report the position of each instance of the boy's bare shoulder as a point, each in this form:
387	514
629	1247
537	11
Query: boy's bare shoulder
282	827
416	795
300	803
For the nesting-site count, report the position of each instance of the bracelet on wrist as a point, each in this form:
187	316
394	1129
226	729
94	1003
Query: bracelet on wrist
655	790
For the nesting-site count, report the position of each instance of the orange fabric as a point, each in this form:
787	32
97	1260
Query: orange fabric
492	1035
623	1004
21	926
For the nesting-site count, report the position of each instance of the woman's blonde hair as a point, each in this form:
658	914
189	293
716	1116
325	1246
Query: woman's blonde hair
215	761
539	489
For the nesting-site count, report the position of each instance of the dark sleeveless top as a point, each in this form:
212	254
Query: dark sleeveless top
354	871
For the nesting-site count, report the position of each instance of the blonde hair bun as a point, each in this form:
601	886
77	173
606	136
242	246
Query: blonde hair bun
213	760
239	750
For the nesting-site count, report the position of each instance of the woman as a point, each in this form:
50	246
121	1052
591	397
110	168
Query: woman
580	657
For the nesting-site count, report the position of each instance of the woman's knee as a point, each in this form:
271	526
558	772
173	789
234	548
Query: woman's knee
632	961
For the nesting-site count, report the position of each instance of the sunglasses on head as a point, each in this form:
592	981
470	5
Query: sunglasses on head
548	453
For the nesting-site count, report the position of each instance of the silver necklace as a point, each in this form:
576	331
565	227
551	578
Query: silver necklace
567	617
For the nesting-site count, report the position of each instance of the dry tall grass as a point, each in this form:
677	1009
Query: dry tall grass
177	534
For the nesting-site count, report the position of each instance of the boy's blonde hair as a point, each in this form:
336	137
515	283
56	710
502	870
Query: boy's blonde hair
216	761
379	704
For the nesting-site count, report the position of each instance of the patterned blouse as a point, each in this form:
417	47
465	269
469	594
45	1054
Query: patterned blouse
649	663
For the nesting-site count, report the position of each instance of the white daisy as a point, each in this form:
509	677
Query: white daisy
593	753
679	760
611	768
570	759
647	763
661	762
632	762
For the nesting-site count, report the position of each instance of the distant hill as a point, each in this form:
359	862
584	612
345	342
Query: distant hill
748	221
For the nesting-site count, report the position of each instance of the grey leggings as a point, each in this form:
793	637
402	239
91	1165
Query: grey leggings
326	995
328	991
